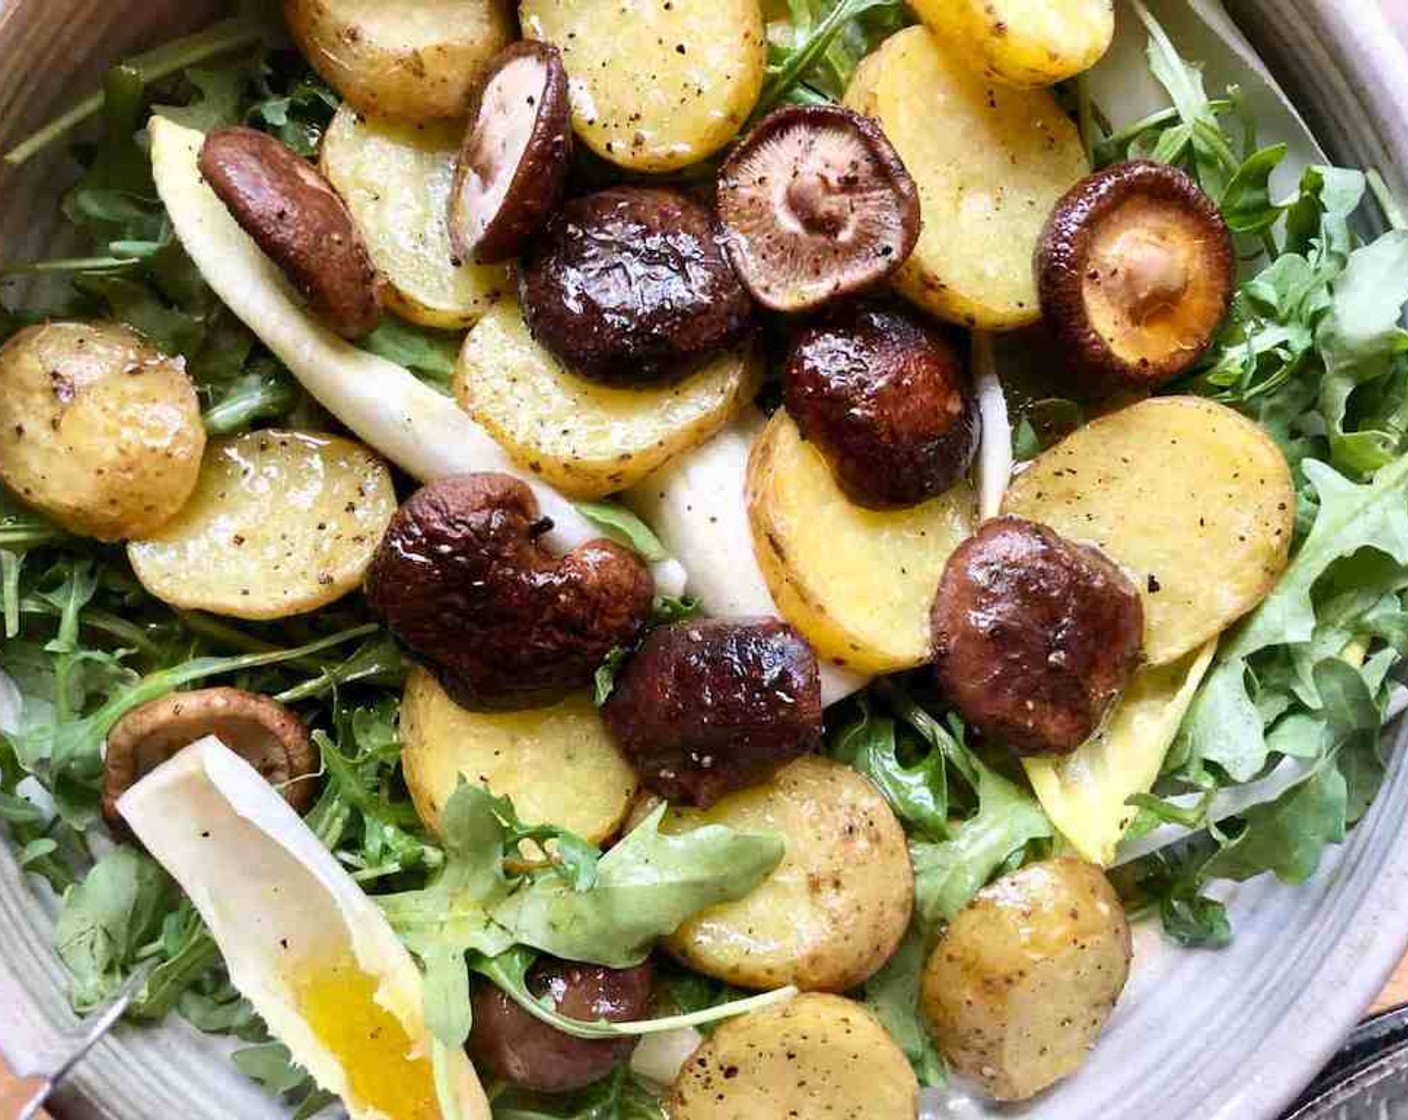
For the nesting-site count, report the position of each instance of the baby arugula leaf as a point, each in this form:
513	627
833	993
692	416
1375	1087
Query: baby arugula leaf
893	994
917	789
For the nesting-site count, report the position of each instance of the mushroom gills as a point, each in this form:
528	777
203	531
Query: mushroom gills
513	166
816	204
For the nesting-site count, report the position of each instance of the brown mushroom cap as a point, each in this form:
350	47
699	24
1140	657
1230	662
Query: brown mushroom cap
463	579
267	735
1136	270
630	286
513	167
886	400
297	219
815	204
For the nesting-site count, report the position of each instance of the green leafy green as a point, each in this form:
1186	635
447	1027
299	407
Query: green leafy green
431	354
621	1096
893	994
814	52
916	786
624	527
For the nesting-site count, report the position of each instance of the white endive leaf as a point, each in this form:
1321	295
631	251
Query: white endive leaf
424	433
303	943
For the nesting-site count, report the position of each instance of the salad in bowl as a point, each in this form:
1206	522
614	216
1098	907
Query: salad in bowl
700	558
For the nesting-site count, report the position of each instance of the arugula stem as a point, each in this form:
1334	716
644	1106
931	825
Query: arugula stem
1393	212
72	264
240	411
802	59
218	39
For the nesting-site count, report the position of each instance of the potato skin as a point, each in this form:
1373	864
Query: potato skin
706	707
1022	980
816	1055
532	1055
295	216
1035	637
630	285
99	430
834	910
1161	487
461	579
887	401
406	59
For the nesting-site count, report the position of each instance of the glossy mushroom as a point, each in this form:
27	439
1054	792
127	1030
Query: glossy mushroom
630	286
463	579
885	398
267	735
816	204
706	707
512	169
1035	637
1136	270
532	1055
293	214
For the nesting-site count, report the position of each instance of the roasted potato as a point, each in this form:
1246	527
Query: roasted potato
817	1055
837	906
557	763
1025	43
1022	980
396	180
857	583
99	430
661	85
1192	499
410	60
990	163
585	438
281	523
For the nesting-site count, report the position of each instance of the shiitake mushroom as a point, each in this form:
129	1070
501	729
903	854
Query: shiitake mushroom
630	286
463	579
1136	270
1035	637
512	169
816	204
267	735
706	706
529	1054
886	400
293	214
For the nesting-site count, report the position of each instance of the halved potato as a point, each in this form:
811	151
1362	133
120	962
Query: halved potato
586	438
1194	500
990	164
1086	794
281	523
656	86
413	60
858	583
99	430
815	1056
837	906
1025	43
396	180
557	764
1022	980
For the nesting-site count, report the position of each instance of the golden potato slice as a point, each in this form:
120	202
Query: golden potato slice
990	164
99	430
281	523
1086	794
1025	43
660	84
396	181
585	438
1022	980
557	764
815	1056
411	60
837	906
1194	500
858	583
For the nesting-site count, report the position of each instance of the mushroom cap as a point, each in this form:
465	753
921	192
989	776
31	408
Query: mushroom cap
267	735
1136	270
630	286
512	169
293	214
816	203
885	398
